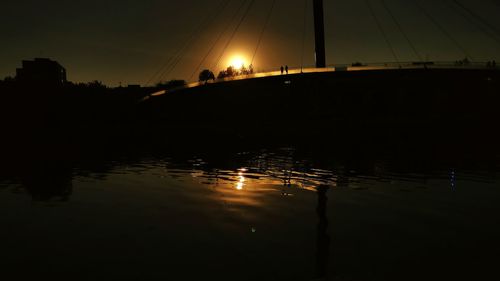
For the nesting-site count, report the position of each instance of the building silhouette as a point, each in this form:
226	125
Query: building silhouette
41	71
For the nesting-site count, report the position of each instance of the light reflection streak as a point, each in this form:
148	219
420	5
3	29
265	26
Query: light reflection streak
241	179
266	170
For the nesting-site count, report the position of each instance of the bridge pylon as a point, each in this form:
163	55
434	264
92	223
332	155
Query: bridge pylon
319	32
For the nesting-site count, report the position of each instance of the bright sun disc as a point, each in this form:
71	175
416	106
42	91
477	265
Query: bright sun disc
237	62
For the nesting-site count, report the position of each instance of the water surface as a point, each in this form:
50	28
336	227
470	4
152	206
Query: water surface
283	213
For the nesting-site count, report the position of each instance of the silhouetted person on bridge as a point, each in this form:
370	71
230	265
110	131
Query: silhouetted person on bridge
494	64
282	70
286	69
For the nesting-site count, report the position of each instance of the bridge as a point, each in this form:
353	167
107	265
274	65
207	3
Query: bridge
334	69
321	65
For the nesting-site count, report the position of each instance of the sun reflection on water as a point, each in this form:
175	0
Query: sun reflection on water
241	179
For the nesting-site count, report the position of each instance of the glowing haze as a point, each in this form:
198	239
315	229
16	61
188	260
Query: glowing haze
238	62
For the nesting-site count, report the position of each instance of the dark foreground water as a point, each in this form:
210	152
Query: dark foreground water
275	213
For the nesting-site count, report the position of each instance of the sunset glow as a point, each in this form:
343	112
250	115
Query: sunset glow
237	62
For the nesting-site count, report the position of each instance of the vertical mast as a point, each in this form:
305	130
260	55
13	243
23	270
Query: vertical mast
319	31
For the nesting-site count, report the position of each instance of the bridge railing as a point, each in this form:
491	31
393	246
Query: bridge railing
411	64
357	67
342	67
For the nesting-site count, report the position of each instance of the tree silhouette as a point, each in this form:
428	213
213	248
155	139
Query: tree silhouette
89	85
206	75
231	71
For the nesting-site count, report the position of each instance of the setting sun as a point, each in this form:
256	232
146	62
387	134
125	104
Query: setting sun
237	62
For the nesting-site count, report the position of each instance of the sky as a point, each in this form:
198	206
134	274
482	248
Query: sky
136	42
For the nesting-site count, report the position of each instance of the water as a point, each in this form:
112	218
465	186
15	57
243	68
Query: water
275	213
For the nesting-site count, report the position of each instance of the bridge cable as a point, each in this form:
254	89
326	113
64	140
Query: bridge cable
382	31
442	29
234	32
471	20
192	42
221	34
263	31
163	68
304	28
478	17
214	44
159	70
395	20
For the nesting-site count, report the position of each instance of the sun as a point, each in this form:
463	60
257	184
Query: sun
237	62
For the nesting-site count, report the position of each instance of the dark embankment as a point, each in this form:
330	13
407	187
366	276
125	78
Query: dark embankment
48	129
426	103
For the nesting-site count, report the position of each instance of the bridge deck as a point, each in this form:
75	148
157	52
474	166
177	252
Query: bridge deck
342	68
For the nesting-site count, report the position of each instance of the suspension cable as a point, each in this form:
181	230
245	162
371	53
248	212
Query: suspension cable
214	44
472	21
179	59
478	17
208	22
395	20
442	29
263	31
158	74
304	28
382	31
234	33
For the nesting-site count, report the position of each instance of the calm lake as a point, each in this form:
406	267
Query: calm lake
296	212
